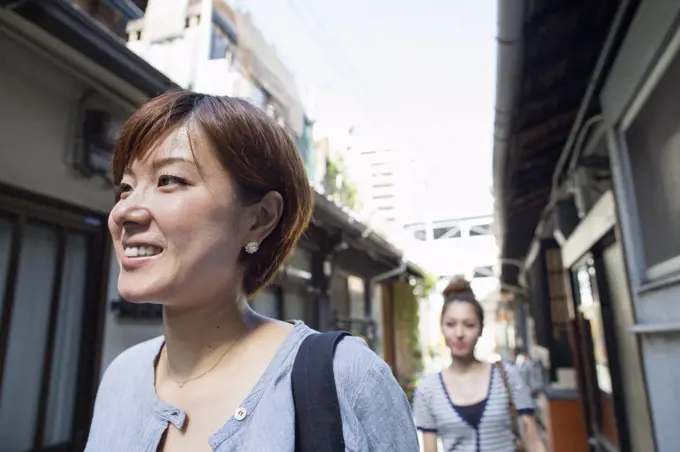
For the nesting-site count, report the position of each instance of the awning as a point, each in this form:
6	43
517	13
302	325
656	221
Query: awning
547	53
359	235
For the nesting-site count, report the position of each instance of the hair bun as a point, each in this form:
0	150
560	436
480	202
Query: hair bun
457	286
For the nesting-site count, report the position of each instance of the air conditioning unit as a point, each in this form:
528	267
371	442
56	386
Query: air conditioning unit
100	131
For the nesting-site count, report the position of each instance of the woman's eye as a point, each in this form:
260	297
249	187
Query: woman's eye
122	189
167	179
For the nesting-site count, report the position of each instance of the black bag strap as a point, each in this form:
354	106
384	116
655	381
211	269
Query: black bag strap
318	424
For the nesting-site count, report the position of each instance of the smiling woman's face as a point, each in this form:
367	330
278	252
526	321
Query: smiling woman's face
461	328
178	227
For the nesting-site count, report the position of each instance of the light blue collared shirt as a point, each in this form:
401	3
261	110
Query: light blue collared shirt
129	416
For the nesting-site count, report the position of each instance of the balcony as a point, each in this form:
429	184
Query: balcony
113	14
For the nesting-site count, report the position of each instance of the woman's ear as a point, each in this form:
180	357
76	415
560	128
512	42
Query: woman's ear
265	216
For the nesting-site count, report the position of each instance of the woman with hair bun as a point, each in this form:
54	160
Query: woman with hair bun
473	406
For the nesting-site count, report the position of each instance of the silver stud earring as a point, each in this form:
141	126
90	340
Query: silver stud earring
252	247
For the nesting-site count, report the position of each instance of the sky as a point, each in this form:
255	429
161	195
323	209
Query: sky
415	75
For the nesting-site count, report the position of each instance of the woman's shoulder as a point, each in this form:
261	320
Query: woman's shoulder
359	369
355	364
353	354
134	361
371	399
429	381
510	369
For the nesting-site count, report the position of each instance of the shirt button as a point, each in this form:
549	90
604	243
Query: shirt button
240	414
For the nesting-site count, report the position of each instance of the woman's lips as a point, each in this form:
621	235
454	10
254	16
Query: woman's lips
133	263
460	345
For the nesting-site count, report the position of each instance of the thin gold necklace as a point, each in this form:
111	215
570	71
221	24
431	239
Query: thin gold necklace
181	383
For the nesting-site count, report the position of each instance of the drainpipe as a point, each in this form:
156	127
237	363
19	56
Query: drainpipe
508	67
388	274
397	271
372	282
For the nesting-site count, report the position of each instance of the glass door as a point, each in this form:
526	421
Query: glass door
598	355
50	264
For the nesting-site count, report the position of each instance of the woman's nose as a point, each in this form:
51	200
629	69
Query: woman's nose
460	332
131	211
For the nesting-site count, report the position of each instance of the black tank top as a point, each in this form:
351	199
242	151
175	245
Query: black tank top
472	414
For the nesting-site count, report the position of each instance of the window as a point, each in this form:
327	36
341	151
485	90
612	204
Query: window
47	259
653	140
483	272
220	43
480	229
259	96
448	232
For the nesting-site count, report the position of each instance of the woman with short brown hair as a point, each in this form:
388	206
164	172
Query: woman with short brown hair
211	198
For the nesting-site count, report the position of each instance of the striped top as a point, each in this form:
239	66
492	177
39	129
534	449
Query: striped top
434	412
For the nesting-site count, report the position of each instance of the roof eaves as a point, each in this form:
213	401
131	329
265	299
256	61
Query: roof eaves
226	27
74	27
370	241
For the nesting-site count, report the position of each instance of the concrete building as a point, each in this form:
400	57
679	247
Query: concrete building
206	46
380	171
65	82
586	165
392	186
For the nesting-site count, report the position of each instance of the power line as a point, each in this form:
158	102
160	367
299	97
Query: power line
331	56
329	39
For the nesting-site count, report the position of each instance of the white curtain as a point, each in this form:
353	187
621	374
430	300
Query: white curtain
27	336
64	373
5	243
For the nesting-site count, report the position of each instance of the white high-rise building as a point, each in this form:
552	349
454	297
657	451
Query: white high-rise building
380	191
206	46
391	187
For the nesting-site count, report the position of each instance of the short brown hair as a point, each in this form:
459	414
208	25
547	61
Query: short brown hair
258	154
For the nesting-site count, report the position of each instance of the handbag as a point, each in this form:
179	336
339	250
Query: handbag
318	423
512	408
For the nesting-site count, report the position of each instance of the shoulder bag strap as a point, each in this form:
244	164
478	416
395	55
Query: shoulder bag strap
318	424
514	416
